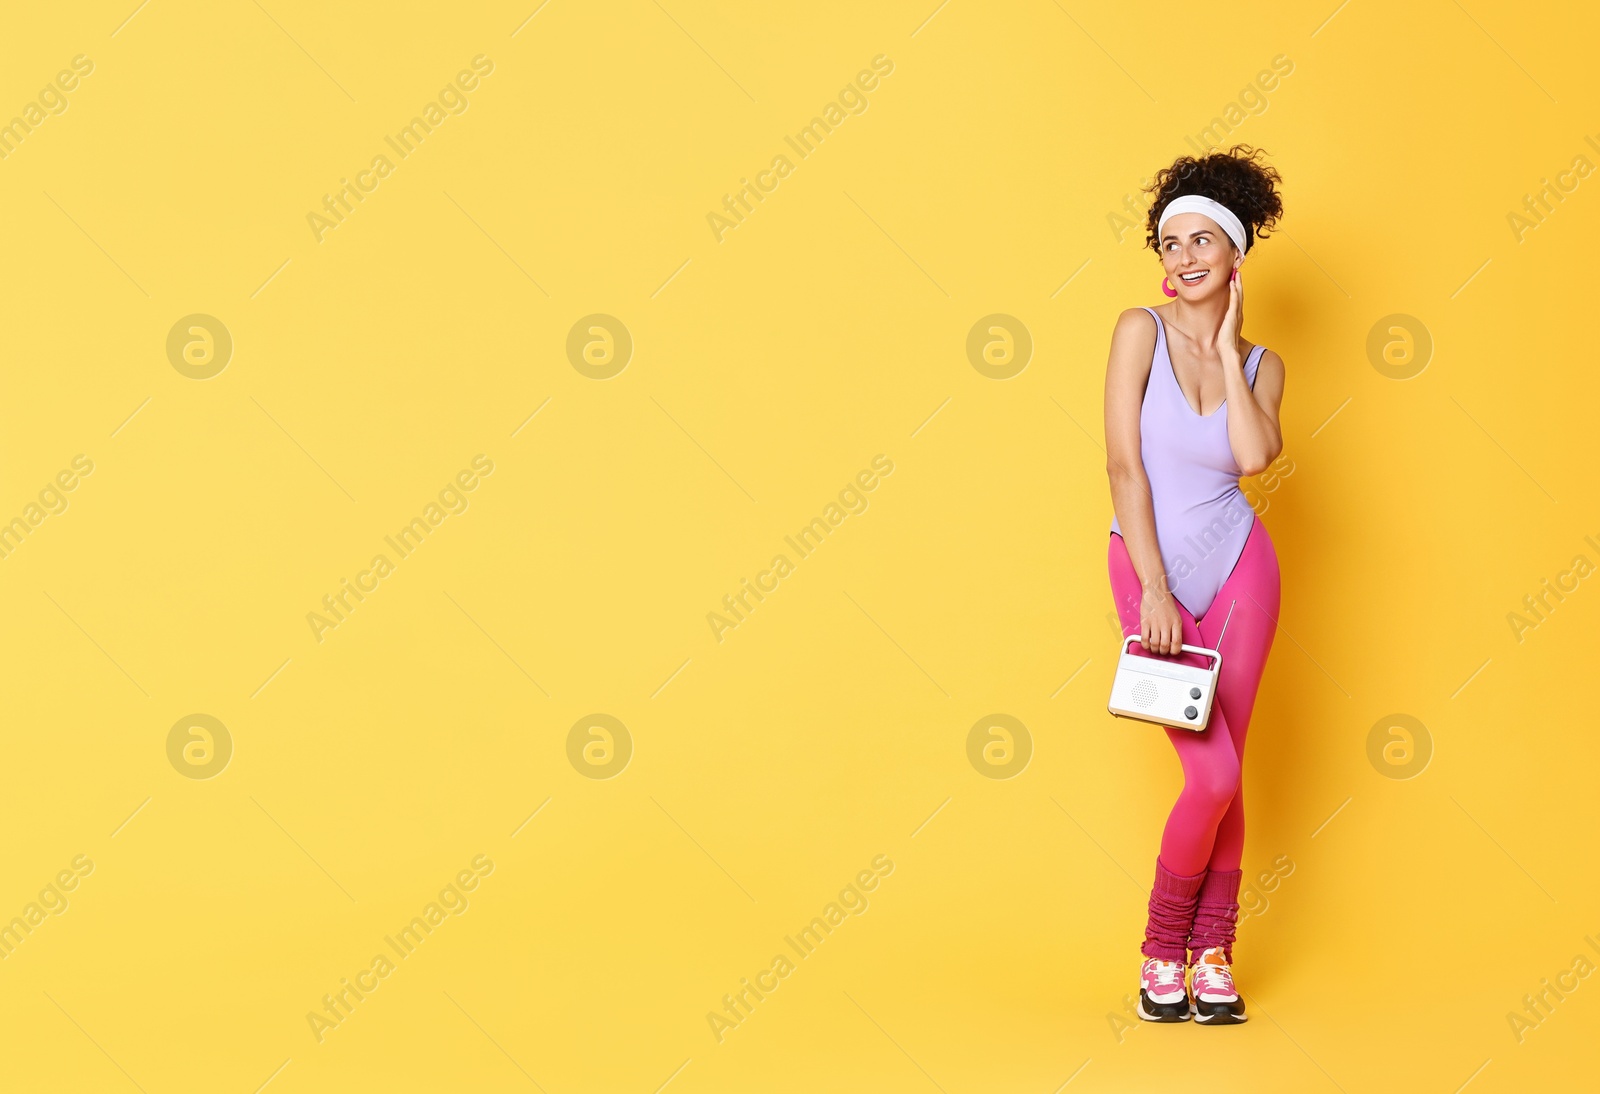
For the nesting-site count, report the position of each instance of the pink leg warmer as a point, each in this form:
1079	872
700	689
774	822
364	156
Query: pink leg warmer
1172	905
1217	912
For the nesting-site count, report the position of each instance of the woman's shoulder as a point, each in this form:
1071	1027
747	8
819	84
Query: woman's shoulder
1133	344
1135	322
1265	365
1267	357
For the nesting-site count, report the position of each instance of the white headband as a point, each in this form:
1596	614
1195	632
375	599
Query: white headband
1195	203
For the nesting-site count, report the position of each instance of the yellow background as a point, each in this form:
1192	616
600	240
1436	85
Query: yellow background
830	726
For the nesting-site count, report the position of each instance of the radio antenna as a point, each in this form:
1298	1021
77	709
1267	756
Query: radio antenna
1226	619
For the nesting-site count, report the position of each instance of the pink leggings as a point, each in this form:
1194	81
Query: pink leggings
1205	830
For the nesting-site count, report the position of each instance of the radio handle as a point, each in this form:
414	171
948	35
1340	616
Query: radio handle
1186	649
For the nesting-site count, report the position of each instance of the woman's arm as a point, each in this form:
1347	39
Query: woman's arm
1253	430
1127	373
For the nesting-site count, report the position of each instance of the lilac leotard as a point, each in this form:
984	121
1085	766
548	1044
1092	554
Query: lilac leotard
1202	517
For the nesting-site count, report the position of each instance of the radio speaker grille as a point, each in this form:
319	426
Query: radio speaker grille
1145	693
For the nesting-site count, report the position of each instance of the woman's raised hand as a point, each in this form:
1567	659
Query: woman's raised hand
1233	318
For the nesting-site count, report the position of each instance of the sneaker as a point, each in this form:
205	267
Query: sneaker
1216	1001
1162	994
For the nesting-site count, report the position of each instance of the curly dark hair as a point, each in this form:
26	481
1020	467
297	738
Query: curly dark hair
1233	178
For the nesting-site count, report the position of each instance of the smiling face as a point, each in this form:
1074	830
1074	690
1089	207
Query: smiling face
1197	255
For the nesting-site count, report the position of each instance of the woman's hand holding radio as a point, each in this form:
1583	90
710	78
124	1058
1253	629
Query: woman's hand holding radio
1160	625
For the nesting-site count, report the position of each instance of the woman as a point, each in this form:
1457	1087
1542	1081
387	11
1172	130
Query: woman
1191	406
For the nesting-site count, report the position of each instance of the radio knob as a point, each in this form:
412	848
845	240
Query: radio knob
1191	713
1194	693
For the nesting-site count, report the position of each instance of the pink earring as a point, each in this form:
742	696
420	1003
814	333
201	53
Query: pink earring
1168	289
